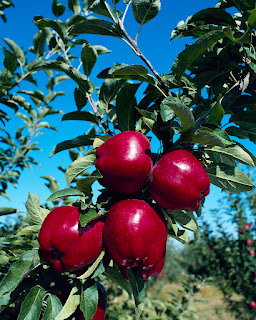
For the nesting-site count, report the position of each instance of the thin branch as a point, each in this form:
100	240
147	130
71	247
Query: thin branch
125	12
95	109
61	44
138	52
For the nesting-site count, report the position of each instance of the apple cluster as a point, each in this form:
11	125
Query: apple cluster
133	232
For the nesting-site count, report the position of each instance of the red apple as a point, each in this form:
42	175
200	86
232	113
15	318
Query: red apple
125	162
67	245
249	243
179	181
135	236
248	225
252	304
252	253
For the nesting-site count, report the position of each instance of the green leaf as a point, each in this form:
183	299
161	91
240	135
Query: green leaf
182	236
35	213
16	50
89	299
237	132
145	10
101	7
115	275
125	70
206	136
252	17
85	184
81	115
95	26
70	306
243	117
128	72
213	16
80	99
69	192
109	90
27	231
78	166
18	270
235	152
57	8
186	220
6	210
137	285
99	141
216	115
167	113
52	183
53	307
56	25
80	141
88	57
229	178
10	61
182	112
74	6
90	215
87	4
126	107
31	306
84	84
188	55
101	49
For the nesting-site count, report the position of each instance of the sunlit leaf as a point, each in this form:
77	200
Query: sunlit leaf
70	305
69	192
18	270
53	307
229	178
31	306
78	166
89	299
188	55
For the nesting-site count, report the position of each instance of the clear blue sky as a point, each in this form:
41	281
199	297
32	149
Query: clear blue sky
154	43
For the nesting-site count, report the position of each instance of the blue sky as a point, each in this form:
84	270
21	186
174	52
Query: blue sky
154	42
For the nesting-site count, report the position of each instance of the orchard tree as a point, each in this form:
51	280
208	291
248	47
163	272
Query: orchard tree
200	112
229	257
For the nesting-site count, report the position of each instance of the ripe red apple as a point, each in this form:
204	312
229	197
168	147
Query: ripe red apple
124	161
249	243
252	305
179	181
135	236
252	253
248	225
67	245
101	307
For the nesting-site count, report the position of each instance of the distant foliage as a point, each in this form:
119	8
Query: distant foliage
229	259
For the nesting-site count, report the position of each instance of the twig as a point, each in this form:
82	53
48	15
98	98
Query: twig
95	109
138	52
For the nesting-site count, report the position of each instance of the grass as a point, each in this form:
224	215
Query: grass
208	304
211	305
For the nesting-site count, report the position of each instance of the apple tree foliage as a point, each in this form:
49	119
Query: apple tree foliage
5	4
204	103
228	258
